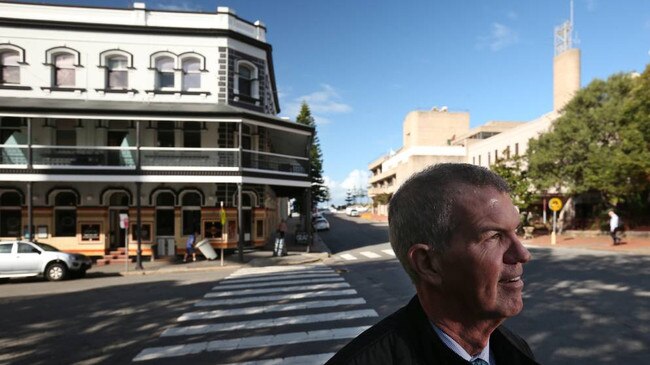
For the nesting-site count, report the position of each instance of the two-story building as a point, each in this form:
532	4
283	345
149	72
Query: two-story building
168	117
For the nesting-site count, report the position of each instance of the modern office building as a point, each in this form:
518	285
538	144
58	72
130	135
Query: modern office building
165	117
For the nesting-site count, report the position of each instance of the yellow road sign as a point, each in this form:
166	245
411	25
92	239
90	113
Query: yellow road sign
555	204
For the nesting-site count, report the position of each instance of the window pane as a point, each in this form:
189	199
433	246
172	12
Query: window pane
10	222
10	75
165	200
165	138
9	58
191	221
66	137
10	199
64	77
117	80
25	248
245	87
191	200
192	139
245	72
117	63
65	199
65	222
64	60
191	65
165	64
165	79
6	247
191	81
164	222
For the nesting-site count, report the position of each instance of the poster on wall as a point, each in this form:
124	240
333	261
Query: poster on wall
146	232
90	232
212	229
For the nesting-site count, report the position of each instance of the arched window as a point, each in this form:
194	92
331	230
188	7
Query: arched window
64	70
119	199
191	202
9	67
10	214
117	74
65	214
191	73
245	78
164	72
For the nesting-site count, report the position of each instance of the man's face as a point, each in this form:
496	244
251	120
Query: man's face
482	267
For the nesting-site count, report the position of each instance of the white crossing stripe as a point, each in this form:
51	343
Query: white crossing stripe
268	298
276	278
235	276
249	342
218	313
276	283
268	323
276	269
286	289
295	360
389	252
348	257
370	254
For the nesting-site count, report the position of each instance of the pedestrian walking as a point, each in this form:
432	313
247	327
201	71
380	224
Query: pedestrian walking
281	231
614	227
189	247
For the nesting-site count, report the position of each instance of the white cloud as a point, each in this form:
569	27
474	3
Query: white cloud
501	36
322	103
178	6
356	179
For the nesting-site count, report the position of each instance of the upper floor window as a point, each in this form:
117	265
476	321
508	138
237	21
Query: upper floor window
10	67
117	74
191	74
191	134
66	132
64	70
245	78
164	72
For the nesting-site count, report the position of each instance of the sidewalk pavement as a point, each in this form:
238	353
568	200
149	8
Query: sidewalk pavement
296	255
632	245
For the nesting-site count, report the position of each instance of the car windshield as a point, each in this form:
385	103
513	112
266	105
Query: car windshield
45	246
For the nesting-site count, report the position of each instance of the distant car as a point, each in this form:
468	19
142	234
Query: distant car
23	259
354	213
321	224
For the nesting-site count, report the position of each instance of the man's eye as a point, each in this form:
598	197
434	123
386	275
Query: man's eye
496	236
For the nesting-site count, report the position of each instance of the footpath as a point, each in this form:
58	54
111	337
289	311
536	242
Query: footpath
630	244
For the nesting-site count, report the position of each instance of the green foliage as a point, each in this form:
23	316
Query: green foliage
600	143
319	191
512	170
382	198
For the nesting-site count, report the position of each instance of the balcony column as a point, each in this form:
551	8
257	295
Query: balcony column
138	144
240	222
239	143
29	144
30	212
138	223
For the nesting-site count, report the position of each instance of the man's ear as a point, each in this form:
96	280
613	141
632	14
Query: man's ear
425	263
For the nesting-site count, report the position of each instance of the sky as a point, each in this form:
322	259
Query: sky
362	65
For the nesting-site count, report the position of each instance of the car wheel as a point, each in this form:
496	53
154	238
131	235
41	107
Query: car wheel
56	272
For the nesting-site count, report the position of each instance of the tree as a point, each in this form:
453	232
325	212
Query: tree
319	191
598	144
512	170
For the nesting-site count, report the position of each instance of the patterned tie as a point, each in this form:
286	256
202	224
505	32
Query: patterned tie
478	361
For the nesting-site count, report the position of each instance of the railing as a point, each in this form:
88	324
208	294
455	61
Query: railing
13	154
83	156
204	158
274	162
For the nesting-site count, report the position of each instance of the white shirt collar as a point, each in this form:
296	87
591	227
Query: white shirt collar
459	350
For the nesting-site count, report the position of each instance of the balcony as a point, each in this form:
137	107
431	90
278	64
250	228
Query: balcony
151	158
390	173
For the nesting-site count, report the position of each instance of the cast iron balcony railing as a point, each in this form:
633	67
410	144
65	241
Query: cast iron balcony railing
275	162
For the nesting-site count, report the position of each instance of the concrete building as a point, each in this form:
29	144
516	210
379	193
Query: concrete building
167	117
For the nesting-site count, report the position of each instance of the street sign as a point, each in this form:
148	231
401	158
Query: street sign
124	220
555	204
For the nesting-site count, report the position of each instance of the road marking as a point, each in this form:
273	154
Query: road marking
278	274
389	252
268	323
348	257
277	283
370	254
218	313
249	342
276	278
277	269
287	289
268	298
296	360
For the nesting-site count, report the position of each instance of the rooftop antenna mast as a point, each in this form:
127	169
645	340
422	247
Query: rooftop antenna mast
564	34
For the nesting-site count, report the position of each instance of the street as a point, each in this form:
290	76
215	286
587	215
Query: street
581	307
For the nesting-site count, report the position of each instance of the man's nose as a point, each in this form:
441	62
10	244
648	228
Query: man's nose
517	253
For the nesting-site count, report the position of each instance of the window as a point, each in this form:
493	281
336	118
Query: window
65	214
165	220
192	134
191	74
165	134
64	70
10	214
164	72
117	75
516	149
245	80
9	126
10	68
6	248
26	248
66	133
191	212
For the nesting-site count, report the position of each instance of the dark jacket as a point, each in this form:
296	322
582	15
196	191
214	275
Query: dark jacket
407	337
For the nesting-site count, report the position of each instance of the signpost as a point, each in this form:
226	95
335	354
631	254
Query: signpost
555	204
124	224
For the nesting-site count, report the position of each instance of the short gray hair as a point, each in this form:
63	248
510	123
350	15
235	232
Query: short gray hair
422	209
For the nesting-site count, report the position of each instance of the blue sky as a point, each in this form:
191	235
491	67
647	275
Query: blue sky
363	65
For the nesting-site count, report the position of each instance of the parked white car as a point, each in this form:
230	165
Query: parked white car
321	224
23	259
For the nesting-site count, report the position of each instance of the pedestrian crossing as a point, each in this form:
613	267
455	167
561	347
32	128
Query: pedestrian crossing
266	316
373	255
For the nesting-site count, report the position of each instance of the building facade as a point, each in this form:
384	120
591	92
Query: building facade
166	117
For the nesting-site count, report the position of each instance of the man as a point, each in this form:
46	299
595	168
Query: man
189	247
614	227
452	226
